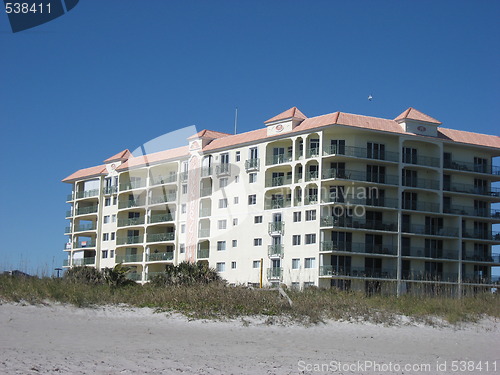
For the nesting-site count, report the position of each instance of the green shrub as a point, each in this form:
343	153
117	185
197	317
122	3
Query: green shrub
186	273
84	275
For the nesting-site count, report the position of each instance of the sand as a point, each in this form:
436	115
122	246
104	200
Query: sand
58	339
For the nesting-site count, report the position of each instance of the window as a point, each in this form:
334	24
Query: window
222	224
310	215
310	238
184	188
104	254
235	243
183	208
223	182
295	264
257	219
256	264
252	199
105	236
238	156
297	216
296	239
308	284
115	201
257	241
309	262
106	219
111	253
223	203
113	218
252	177
220	267
235	221
236	179
112	236
107	201
221	245
233	265
295	285
182	248
236	200
183	228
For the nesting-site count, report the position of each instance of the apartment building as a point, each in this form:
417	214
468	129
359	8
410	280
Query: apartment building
338	200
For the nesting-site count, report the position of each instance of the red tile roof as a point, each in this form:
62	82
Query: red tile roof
154	158
211	134
293	112
414	114
86	172
469	137
123	155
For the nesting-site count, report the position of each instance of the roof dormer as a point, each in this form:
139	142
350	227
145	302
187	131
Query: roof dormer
416	122
284	122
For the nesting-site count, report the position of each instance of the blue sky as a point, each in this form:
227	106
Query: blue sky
114	74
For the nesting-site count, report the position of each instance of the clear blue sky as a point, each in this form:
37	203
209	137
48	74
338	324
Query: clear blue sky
113	74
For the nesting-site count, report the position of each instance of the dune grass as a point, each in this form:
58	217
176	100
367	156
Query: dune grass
219	301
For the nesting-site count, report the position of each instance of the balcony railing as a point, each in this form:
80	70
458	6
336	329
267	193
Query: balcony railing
422	252
471	211
313	152
495	258
161	180
372	202
471	167
202	253
161	218
422	183
83	243
109	190
83	261
334	221
129	240
157	257
66	263
375	273
206	211
205	191
360	176
223	169
429	276
279	159
85	227
482	235
129	258
353	247
360	152
131	203
471	189
311	199
277	203
477	279
279	181
86	210
312	175
151	275
275	251
87	194
160	237
132	221
135	276
167	198
420	206
429	230
277	227
428	161
206	171
274	273
252	164
133	185
204	232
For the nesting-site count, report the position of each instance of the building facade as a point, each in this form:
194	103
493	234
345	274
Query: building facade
339	200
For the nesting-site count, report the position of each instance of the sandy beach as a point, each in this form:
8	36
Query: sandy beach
57	339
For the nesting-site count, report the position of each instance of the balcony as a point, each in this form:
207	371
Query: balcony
87	194
161	180
134	276
420	206
83	244
471	211
130	222
128	240
131	203
110	190
206	171
167	198
275	273
312	152
205	191
184	176
86	210
432	231
204	232
65	263
429	276
128	258
278	159
311	199
427	161
312	175
471	167
353	247
373	273
360	152
483	235
277	203
421	183
252	164
151	275
133	185
160	218
223	170
334	221
206	211
494	258
471	189
83	261
159	257
477	279
422	252
275	251
277	227
360	176
85	227
372	202
279	181
202	253
160	237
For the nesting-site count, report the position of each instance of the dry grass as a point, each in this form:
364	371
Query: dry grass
218	301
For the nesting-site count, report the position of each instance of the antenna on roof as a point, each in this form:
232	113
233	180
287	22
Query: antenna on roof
235	120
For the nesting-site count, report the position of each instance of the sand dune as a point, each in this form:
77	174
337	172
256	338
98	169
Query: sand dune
58	339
